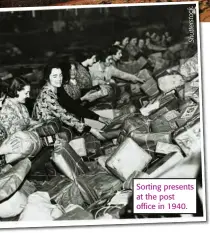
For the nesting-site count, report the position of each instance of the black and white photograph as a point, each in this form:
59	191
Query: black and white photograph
95	97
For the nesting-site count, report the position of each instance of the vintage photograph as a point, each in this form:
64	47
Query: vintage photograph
91	98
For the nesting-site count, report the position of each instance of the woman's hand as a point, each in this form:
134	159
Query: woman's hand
105	120
88	96
97	134
137	80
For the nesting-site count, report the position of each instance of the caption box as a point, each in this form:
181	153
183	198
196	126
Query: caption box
164	196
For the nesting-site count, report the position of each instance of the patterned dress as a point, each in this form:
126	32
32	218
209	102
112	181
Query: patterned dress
73	90
14	116
83	77
48	107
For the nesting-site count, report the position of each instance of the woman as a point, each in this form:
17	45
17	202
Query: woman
53	101
103	71
123	42
14	115
133	49
71	84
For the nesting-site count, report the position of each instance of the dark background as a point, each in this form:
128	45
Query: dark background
90	27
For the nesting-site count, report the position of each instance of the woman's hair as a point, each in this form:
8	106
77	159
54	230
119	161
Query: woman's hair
86	54
114	49
48	69
16	85
103	54
66	66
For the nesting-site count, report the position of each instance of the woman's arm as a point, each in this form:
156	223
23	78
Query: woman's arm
58	111
74	107
114	72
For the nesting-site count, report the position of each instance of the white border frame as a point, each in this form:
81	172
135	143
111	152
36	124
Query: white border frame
82	223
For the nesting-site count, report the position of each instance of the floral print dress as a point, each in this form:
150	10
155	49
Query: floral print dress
48	107
14	117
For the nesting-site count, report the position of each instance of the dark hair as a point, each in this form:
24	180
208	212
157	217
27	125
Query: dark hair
48	69
114	49
86	54
16	85
66	66
102	55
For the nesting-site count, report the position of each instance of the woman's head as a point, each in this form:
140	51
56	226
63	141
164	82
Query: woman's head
116	52
125	41
141	43
72	70
88	56
133	41
105	58
53	74
19	89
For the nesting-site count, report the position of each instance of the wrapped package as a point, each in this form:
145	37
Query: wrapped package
66	134
160	65
165	122
142	138
154	57
109	148
169	101
11	180
109	113
164	164
162	125
171	115
187	168
170	82
107	212
187	114
27	188
110	134
67	160
150	87
144	75
78	145
13	206
39	208
97	184
128	184
126	109
102	161
128	158
93	145
191	87
48	128
28	144
117	122
165	148
133	67
63	191
158	113
136	122
188	136
189	68
76	212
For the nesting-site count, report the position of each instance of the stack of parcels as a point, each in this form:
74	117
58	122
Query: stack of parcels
158	137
